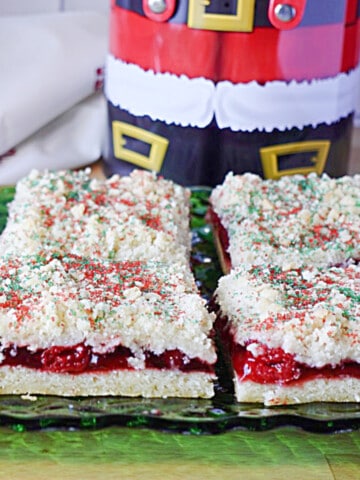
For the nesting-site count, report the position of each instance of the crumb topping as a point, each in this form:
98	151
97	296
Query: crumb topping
137	217
290	222
65	301
312	313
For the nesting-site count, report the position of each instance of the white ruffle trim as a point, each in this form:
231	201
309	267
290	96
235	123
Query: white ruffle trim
241	107
166	97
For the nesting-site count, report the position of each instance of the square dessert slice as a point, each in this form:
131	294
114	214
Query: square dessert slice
76	327
138	217
291	336
289	222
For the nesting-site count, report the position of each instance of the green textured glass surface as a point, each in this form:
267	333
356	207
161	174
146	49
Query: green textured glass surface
220	414
147	446
119	453
6	195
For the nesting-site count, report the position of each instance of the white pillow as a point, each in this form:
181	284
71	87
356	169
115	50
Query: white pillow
74	139
48	63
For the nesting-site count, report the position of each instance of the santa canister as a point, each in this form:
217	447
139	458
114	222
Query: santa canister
198	88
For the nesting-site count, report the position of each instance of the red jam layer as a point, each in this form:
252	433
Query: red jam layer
276	366
81	359
273	365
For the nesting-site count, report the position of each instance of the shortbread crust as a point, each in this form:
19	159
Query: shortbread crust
129	383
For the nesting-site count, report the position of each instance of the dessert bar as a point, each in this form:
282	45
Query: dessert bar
73	326
294	221
139	217
291	336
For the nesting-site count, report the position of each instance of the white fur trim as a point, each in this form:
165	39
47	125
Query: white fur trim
165	97
241	107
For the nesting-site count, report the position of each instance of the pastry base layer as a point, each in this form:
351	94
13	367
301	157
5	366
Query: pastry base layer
131	383
345	389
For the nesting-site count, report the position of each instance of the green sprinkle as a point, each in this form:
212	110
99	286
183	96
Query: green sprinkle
349	293
72	195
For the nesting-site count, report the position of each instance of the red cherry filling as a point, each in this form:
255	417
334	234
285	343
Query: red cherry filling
276	366
172	359
80	358
66	359
271	366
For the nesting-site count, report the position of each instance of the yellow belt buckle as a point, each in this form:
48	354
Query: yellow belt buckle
241	21
158	146
269	157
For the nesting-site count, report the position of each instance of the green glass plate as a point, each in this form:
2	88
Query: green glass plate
219	414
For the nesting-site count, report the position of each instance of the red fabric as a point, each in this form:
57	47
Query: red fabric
264	55
351	11
351	47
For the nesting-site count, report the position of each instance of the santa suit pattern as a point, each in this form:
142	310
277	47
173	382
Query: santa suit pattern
196	90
